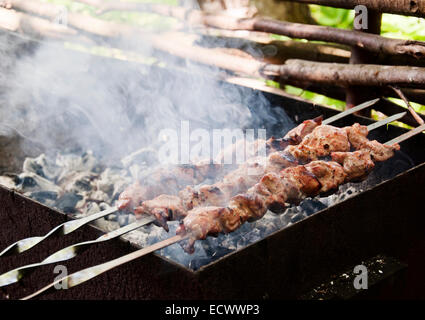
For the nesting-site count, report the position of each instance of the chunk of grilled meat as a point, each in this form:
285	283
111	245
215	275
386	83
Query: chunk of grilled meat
320	143
297	134
133	196
356	164
329	174
357	135
163	208
203	221
163	181
275	189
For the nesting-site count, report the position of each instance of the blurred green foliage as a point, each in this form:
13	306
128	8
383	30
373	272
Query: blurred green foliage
394	26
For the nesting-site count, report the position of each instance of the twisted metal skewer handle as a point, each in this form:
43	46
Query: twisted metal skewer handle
84	275
70	252
63	229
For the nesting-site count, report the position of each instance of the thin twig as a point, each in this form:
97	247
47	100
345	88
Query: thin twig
409	106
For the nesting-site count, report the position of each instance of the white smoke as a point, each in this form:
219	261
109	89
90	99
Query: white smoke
63	99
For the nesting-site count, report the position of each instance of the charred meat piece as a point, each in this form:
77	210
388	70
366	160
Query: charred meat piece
329	174
380	152
356	164
201	222
133	196
304	181
357	134
297	134
163	208
320	143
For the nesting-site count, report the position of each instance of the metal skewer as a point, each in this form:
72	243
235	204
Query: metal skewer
79	277
91	272
70	226
62	229
406	135
71	251
350	111
385	121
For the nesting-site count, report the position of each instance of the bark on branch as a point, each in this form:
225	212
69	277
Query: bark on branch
80	21
348	75
404	7
34	26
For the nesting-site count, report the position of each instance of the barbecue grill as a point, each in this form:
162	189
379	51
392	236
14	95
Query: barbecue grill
386	217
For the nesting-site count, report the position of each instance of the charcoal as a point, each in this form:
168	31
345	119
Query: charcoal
31	182
99	196
212	249
68	202
112	182
46	197
77	182
131	218
310	206
106	226
122	219
297	217
91	208
42	167
104	206
112	217
137	236
72	163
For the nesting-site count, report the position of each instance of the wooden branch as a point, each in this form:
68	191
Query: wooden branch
21	22
370	42
404	7
277	52
418	119
348	75
416	95
80	21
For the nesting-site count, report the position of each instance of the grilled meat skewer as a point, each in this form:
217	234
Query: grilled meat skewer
164	181
274	190
173	207
321	142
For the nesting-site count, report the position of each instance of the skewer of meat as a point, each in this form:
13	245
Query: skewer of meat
136	193
275	190
170	181
321	142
